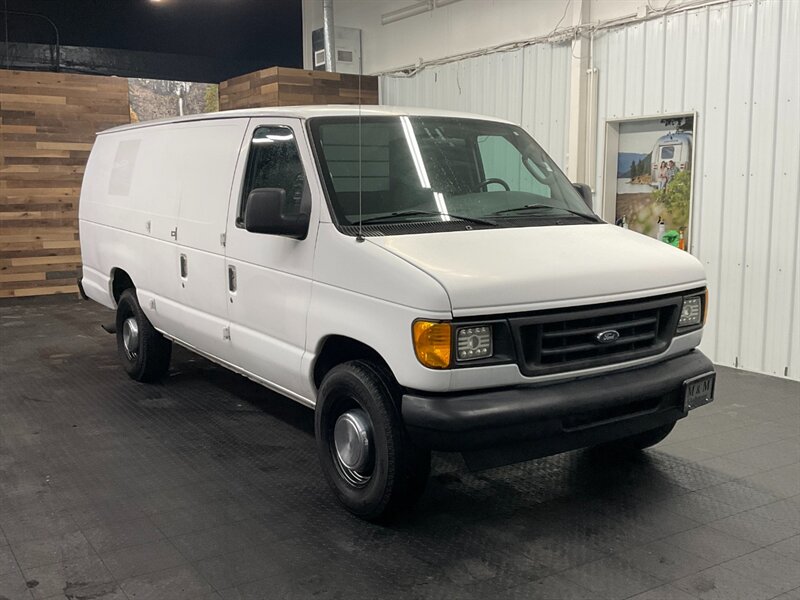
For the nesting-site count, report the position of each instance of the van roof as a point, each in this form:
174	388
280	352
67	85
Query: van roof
306	112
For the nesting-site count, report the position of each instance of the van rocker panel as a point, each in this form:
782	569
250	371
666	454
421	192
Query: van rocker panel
535	421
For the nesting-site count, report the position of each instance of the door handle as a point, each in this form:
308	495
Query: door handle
231	278
184	267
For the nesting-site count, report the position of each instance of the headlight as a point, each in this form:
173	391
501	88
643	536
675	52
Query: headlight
473	342
447	345
692	311
432	343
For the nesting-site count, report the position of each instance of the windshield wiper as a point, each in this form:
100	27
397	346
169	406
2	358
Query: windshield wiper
592	218
410	213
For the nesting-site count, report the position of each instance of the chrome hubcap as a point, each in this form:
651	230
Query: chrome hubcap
352	444
130	337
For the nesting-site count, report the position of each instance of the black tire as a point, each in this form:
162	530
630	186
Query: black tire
398	470
149	360
640	441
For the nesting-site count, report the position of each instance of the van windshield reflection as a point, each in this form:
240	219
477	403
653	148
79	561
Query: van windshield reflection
385	170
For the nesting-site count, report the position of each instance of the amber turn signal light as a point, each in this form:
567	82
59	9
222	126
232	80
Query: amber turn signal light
432	343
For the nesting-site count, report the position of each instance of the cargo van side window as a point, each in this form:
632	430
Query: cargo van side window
274	162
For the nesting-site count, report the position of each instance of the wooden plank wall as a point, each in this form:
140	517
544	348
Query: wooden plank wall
47	125
280	86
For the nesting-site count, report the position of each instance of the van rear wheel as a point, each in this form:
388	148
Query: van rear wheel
369	462
144	352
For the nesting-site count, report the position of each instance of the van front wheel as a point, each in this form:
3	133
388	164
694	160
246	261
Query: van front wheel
144	352
366	456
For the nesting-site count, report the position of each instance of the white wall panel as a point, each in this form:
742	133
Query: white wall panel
738	66
782	343
528	86
490	84
633	99
761	179
454	28
653	69
545	106
616	51
735	192
672	34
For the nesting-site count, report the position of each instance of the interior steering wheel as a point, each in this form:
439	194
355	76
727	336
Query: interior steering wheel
496	180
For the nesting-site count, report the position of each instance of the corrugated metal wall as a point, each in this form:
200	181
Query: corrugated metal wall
528	86
737	65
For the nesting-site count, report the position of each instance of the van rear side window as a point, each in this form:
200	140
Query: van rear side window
122	172
274	162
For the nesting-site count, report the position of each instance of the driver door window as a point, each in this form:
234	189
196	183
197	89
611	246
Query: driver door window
274	162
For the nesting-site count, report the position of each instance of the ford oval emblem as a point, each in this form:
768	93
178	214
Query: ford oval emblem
608	336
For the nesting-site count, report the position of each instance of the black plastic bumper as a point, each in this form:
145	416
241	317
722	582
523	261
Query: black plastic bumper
81	290
513	424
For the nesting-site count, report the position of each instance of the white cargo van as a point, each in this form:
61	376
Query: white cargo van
423	280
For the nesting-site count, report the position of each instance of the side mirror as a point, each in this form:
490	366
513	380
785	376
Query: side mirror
264	214
586	193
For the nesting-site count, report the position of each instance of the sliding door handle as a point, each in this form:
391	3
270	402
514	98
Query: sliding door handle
231	278
184	267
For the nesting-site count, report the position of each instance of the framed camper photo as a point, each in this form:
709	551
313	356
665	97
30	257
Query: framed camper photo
648	179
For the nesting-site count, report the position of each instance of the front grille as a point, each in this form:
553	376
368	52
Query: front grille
566	340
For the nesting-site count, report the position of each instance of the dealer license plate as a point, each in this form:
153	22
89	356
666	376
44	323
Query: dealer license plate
698	391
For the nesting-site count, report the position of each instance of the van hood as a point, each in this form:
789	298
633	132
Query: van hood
488	271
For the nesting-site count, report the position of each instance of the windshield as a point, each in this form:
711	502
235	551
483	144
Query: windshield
433	169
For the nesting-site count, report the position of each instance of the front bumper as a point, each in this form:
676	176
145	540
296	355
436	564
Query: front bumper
520	423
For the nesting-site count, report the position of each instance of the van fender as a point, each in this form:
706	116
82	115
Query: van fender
379	325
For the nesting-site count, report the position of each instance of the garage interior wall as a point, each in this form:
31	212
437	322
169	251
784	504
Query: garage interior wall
446	28
737	66
506	85
47	126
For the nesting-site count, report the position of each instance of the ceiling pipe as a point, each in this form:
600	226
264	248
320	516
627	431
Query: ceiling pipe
329	35
38	16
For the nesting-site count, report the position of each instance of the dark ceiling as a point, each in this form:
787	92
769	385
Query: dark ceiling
241	35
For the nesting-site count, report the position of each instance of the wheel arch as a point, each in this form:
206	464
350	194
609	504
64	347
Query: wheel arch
337	349
120	281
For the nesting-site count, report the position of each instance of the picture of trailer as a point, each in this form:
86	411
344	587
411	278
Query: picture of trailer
675	147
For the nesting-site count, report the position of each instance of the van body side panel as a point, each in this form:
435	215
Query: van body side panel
205	155
370	295
367	268
129	207
377	323
95	279
268	305
109	249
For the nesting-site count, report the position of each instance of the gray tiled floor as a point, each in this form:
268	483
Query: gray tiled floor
207	486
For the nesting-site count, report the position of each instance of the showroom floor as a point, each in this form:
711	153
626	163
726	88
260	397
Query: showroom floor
207	486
